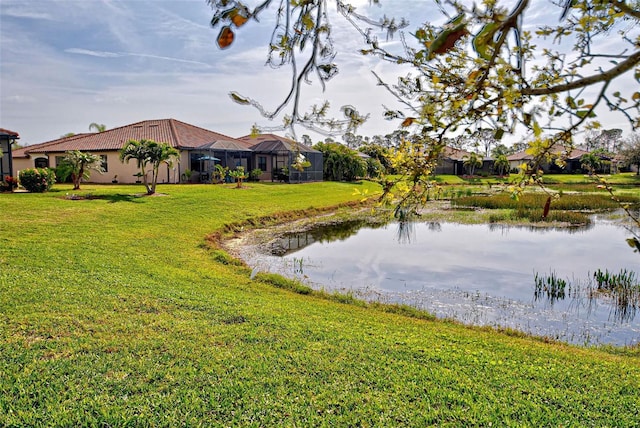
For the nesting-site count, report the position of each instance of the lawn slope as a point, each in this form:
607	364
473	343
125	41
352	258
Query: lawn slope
114	311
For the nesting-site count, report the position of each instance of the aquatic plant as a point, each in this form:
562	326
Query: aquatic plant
622	287
611	281
550	286
536	215
598	201
531	206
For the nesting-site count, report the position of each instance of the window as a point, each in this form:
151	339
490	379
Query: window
105	164
262	163
195	162
41	163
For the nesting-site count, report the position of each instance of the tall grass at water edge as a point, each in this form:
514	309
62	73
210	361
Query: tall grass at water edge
569	208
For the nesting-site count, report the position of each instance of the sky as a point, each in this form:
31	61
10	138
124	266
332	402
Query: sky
65	64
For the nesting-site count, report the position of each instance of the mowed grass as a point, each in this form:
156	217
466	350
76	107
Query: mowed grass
114	311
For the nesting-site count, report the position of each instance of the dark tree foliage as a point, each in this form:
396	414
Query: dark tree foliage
340	163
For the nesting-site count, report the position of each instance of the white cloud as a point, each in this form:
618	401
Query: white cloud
89	52
66	64
102	54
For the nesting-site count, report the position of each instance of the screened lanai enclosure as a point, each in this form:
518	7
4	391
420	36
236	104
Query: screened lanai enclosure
275	158
7	138
231	154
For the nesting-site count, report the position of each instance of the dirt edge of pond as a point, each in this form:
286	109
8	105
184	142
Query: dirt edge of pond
260	238
240	239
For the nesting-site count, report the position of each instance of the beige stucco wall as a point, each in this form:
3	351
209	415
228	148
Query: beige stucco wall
20	164
124	171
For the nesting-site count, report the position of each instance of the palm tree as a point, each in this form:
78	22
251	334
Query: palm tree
99	127
239	175
80	164
148	152
471	162
501	164
590	162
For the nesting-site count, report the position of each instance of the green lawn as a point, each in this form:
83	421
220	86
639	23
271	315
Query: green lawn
114	311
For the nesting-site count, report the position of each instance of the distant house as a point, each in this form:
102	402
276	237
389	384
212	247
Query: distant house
571	157
193	143
274	156
451	161
7	138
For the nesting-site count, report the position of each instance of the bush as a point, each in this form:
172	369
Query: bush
63	172
254	174
375	168
340	163
8	184
37	180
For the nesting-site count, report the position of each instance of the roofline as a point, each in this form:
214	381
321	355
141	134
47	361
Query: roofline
172	126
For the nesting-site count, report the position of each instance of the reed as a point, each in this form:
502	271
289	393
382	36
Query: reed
582	201
550	287
623	288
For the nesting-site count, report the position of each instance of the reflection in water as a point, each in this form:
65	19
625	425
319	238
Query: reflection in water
541	229
325	233
406	232
619	291
478	274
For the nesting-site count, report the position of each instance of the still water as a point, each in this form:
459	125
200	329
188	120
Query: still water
476	274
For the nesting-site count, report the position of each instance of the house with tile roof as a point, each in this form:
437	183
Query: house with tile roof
451	161
193	143
7	138
274	155
571	156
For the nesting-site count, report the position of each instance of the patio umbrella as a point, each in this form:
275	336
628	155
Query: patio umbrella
206	158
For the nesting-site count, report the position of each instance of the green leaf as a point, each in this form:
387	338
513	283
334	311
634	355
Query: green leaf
483	40
239	98
583	113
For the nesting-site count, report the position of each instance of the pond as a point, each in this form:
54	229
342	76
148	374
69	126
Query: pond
476	274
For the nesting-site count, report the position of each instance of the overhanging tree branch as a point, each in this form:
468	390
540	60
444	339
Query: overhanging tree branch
608	75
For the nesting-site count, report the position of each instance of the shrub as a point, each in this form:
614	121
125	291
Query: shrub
254	174
340	163
37	180
63	173
8	184
375	168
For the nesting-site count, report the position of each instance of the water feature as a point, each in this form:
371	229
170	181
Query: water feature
477	274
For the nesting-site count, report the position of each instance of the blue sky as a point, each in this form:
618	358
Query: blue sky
67	63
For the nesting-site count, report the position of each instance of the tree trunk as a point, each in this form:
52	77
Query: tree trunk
76	178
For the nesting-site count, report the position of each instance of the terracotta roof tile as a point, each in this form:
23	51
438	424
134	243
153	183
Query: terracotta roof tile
452	153
177	134
9	133
269	143
23	152
557	149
